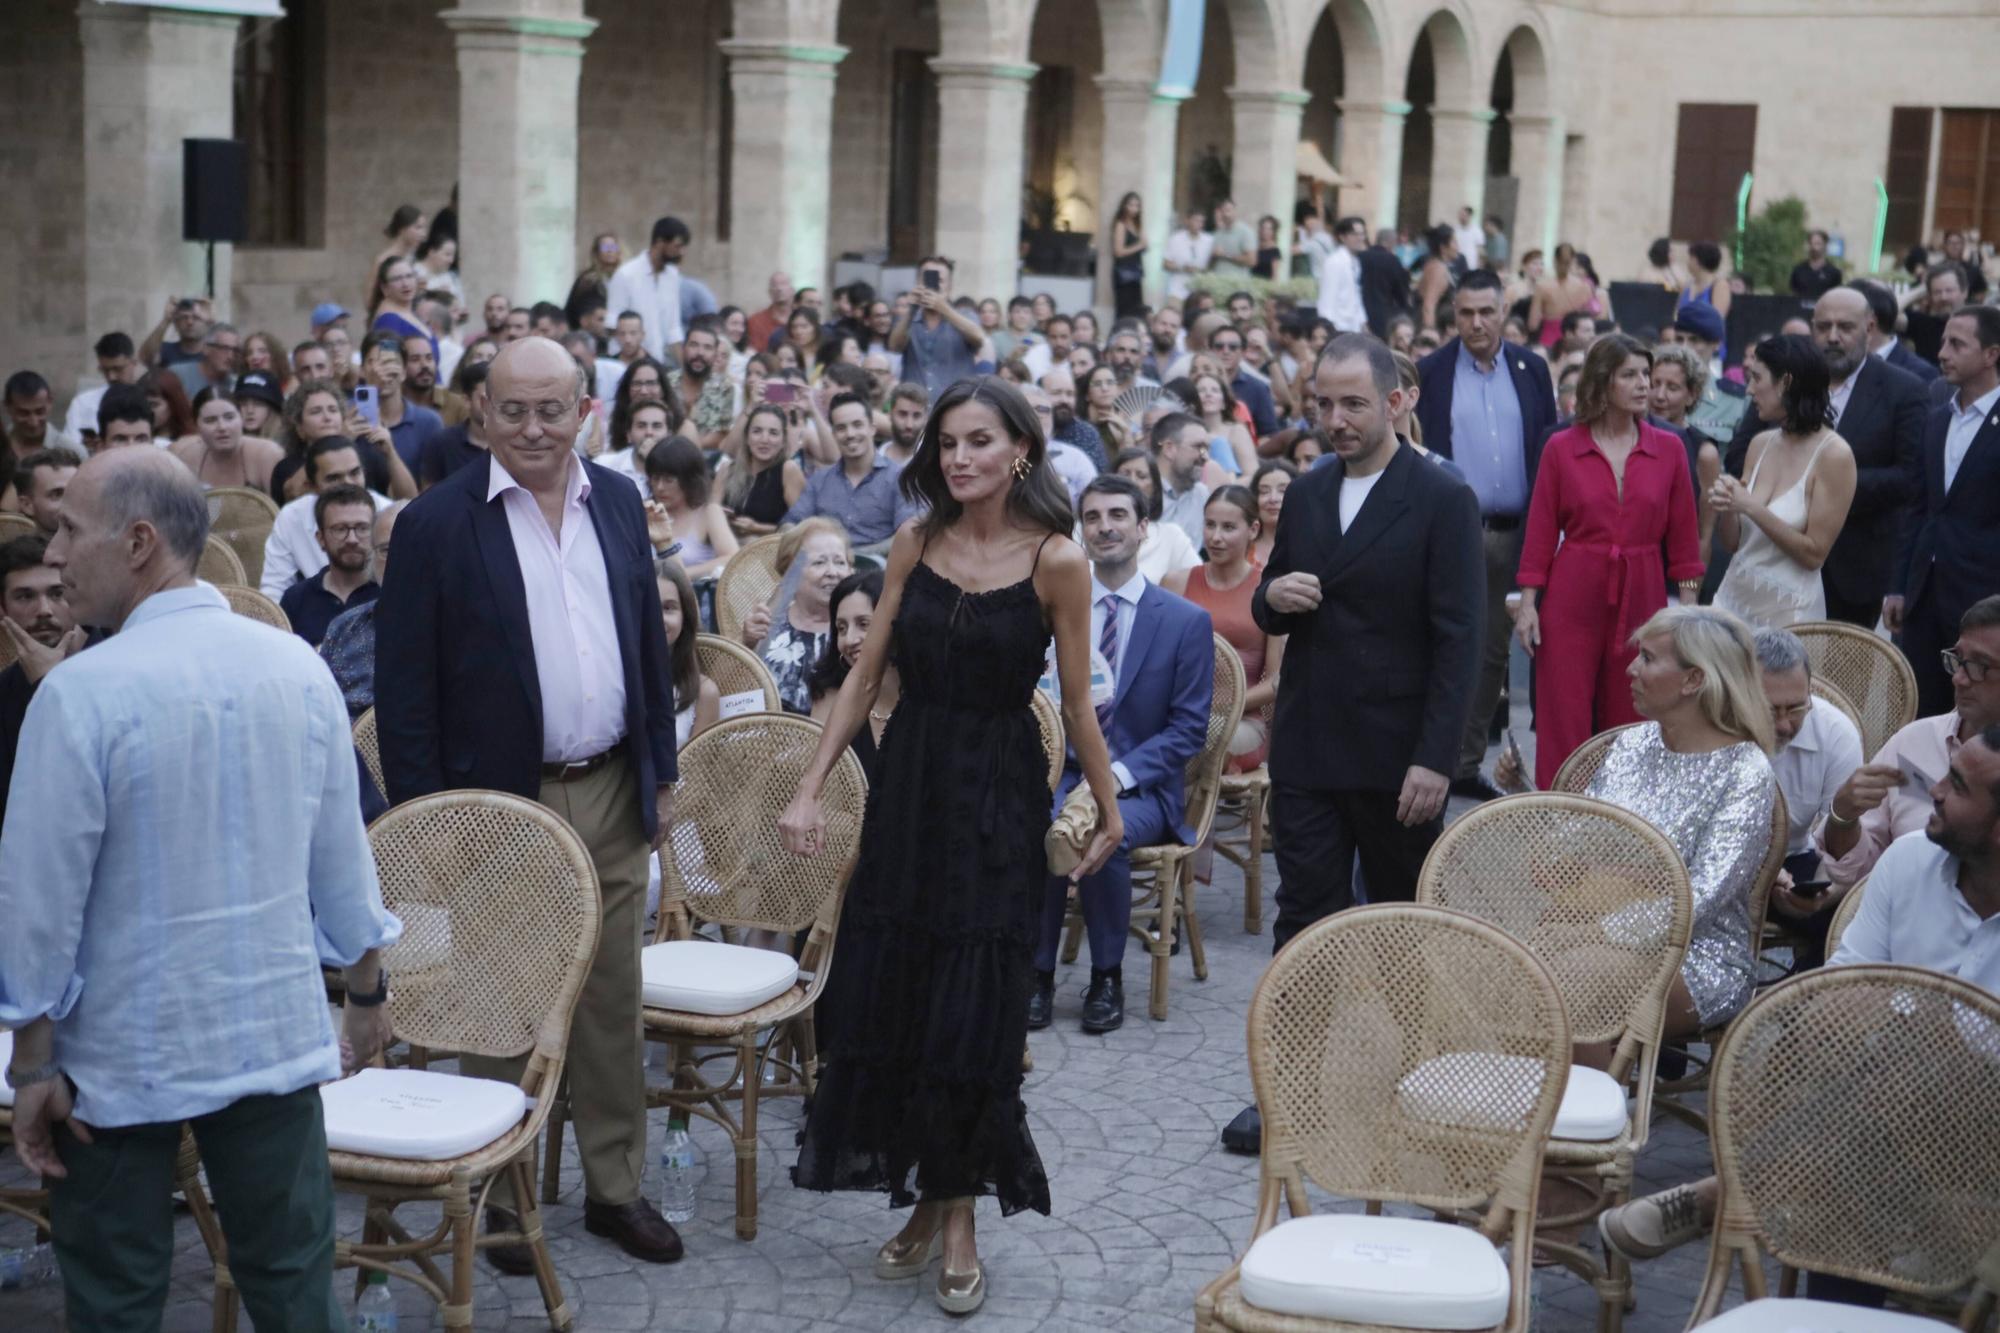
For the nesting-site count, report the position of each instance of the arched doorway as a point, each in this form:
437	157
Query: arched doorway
1347	119
1524	152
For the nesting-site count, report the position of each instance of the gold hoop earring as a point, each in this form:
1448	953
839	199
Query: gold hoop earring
1021	467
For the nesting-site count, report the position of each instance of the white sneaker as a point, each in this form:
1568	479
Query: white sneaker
1647	1228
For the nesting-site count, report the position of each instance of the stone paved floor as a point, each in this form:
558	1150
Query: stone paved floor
1147	1208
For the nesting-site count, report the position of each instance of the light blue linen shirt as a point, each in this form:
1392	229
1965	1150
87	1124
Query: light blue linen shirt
1486	438
183	848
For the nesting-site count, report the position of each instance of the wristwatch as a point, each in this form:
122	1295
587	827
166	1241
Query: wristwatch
375	997
41	1073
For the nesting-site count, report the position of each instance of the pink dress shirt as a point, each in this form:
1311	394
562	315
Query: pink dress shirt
1924	751
569	617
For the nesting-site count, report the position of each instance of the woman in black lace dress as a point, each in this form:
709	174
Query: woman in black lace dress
920	1089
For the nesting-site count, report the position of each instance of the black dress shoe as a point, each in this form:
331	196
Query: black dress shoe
516	1260
1245	1134
1104	1003
1042	1001
1475	787
636	1227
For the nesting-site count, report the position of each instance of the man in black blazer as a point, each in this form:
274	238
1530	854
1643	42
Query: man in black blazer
1883	342
1880	412
519	647
1385	283
1951	544
1488	407
1377	578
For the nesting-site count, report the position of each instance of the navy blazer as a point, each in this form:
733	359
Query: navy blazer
1951	542
1902	358
1531	384
1159	708
458	702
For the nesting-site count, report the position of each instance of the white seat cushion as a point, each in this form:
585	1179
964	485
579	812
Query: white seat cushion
417	1114
1776	1315
1377	1270
6	1059
1593	1107
704	977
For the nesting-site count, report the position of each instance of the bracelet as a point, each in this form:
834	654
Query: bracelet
1689	585
377	997
1834	819
41	1073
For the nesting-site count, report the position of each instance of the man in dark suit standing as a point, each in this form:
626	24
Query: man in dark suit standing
1158	651
1951	544
1488	407
1385	283
519	647
1883	342
1378	579
1880	412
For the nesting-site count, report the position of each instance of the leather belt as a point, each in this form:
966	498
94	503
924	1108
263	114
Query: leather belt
1500	522
578	768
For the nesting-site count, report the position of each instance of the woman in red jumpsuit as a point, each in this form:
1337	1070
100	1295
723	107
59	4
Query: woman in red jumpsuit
1612	518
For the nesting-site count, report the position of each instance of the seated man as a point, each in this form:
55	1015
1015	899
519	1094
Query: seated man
344	519
34	615
1819	748
862	490
348	645
39	482
1155	657
292	551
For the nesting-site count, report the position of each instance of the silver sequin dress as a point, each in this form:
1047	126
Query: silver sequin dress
1715	809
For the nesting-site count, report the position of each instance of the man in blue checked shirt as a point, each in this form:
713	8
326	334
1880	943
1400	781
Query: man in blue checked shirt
183	849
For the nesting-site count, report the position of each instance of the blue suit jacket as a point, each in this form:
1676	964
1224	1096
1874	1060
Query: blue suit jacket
1951	539
1159	710
1435	377
458	702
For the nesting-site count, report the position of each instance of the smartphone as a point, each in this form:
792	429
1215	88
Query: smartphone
932	280
781	393
1812	888
368	404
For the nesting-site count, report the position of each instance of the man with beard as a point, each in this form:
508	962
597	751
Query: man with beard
311	363
1163	335
34	615
708	398
1061	341
862	491
909	409
420	383
1070	428
345	519
494	312
1124	354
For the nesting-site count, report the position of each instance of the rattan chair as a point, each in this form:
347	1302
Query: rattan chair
1243	808
1852	1123
1048	718
249	602
1843	917
1601	898
14	525
1400	1054
499	905
1869	671
724	865
1163	874
747	581
1827	692
219	565
370	745
738	674
241	517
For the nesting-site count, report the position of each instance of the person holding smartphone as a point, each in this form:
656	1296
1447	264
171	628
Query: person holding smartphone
937	343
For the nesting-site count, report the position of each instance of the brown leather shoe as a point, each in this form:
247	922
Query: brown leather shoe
636	1227
516	1260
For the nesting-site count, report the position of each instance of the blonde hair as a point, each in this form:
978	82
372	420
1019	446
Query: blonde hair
1406	375
1720	646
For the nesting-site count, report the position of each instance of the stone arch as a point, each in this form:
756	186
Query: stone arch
1357	27
1460	83
1524	151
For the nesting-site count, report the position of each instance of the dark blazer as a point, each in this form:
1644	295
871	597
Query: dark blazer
1951	541
1381	675
457	699
1385	288
1884	426
1902	358
1159	710
1531	383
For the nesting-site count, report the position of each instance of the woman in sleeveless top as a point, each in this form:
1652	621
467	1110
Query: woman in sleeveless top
920	1090
757	482
1784	520
1231	522
1705	285
697	702
1556	296
395	311
677	482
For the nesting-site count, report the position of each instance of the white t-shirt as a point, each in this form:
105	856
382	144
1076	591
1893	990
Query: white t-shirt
1193	249
1353	492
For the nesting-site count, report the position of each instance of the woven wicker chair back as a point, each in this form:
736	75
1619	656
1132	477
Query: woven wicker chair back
1843	916
219	565
735	669
369	743
249	602
1869	671
1202	782
242	518
746	583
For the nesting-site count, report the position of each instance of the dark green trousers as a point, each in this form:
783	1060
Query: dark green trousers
266	1159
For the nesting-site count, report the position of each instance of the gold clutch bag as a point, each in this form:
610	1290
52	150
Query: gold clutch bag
1070	833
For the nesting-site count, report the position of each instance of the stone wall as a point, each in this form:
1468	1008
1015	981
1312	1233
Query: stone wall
41	208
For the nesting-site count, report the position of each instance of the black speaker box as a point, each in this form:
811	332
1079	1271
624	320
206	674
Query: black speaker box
212	179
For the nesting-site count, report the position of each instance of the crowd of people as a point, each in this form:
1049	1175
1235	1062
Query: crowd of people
1373	498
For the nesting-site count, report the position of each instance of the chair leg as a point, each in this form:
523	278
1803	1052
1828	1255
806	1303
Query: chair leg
746	1143
1072	934
1161	942
552	1148
1253	873
187	1176
1184	883
457	1312
561	1317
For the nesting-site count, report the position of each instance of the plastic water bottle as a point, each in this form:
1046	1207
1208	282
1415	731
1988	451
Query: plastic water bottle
29	1266
680	1173
375	1312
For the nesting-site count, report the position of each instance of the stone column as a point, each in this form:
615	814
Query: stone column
518	66
1264	172
780	163
1140	127
982	111
1538	154
1371	156
151	78
1458	161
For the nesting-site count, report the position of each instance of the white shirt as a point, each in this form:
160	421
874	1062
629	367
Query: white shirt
1165	551
1471	243
1127	597
656	297
1887	347
1353	492
1913	914
1811	768
450	352
292	551
1340	288
626	464
577	662
1837	396
1958	432
1073	466
1037	359
82	414
1183	509
1192	249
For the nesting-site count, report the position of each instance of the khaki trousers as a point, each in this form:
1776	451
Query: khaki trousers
606	1062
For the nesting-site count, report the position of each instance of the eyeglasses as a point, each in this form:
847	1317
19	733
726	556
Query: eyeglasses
1975	671
1791	712
551	412
1227	347
351	529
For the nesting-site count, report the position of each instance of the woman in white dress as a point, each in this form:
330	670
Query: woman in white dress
1783	520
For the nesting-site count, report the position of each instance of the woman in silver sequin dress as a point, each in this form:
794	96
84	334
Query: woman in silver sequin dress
1697	770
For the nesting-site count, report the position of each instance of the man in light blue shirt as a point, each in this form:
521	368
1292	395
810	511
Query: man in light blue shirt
863	490
184	849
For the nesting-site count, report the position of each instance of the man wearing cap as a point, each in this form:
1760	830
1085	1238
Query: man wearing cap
327	315
1722	404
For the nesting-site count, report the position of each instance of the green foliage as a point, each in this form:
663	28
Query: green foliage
1771	242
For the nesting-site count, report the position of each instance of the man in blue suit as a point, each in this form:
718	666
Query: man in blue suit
1158	661
519	647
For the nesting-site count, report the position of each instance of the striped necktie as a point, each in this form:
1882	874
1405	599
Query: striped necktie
1107	645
